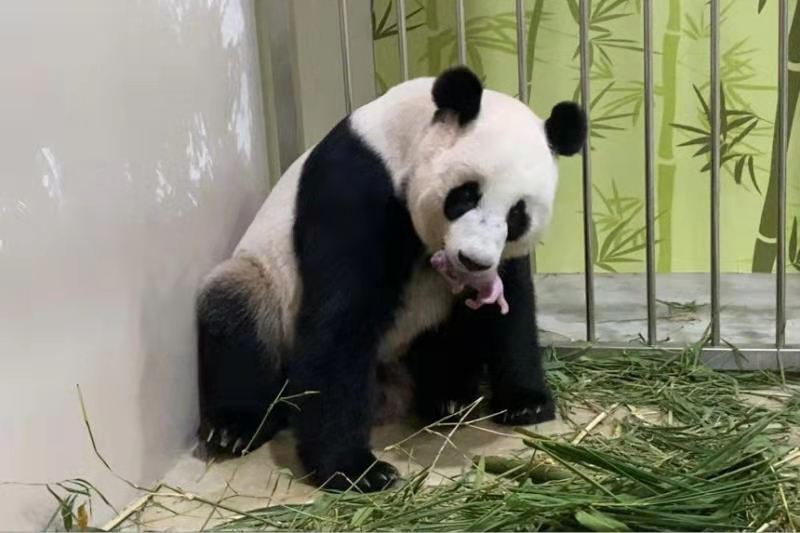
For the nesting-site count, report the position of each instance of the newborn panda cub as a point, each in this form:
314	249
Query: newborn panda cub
388	266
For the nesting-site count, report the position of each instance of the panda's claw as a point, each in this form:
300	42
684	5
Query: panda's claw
526	416
236	445
224	438
210	435
452	407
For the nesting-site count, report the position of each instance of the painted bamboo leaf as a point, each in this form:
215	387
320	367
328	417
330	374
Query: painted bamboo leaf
794	249
383	29
617	239
601	36
735	127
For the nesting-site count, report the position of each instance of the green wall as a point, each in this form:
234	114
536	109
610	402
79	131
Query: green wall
681	74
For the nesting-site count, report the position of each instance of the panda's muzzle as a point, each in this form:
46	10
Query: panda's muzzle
471	264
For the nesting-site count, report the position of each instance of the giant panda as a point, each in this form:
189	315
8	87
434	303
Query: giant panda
389	267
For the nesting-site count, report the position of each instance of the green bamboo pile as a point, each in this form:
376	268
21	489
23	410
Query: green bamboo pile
712	461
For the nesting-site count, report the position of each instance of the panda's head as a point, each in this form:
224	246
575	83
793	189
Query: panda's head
483	176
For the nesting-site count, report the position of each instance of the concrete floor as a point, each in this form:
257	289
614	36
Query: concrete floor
266	476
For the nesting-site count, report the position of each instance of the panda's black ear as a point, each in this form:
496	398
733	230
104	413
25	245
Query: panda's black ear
458	90
566	128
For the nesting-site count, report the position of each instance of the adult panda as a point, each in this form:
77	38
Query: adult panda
352	280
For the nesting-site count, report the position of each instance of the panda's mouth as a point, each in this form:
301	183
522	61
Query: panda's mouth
487	285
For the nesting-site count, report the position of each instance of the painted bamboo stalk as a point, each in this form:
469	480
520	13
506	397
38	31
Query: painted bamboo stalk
434	43
530	51
765	250
666	156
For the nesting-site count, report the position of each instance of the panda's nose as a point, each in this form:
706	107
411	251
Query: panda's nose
470	264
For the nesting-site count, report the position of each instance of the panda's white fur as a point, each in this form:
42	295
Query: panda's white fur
425	160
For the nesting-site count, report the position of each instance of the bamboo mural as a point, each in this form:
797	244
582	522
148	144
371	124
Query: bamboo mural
681	39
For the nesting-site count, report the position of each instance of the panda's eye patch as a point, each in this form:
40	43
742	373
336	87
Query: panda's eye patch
462	199
517	221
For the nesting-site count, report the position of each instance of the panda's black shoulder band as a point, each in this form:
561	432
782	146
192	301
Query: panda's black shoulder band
566	128
458	90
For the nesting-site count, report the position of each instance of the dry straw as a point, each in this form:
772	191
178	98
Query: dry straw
724	456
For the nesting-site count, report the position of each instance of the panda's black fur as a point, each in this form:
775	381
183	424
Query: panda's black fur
356	248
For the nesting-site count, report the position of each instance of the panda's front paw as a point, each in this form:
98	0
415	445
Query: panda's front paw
359	471
524	408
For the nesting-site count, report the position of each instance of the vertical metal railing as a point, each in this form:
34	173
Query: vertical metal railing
715	169
461	33
522	85
347	78
588	252
783	129
649	186
402	42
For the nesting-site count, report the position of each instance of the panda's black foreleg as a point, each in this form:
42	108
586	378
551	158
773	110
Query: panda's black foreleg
519	391
447	370
334	368
356	247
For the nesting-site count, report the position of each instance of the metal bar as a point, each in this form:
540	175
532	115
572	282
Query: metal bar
720	358
649	187
715	168
461	33
783	128
588	252
344	33
522	85
402	38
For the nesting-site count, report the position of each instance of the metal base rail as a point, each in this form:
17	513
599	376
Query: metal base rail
718	358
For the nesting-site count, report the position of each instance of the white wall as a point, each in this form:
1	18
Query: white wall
132	157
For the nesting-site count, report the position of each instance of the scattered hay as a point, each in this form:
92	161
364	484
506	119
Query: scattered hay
687	450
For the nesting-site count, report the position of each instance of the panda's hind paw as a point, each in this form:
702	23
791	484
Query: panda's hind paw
229	441
537	409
